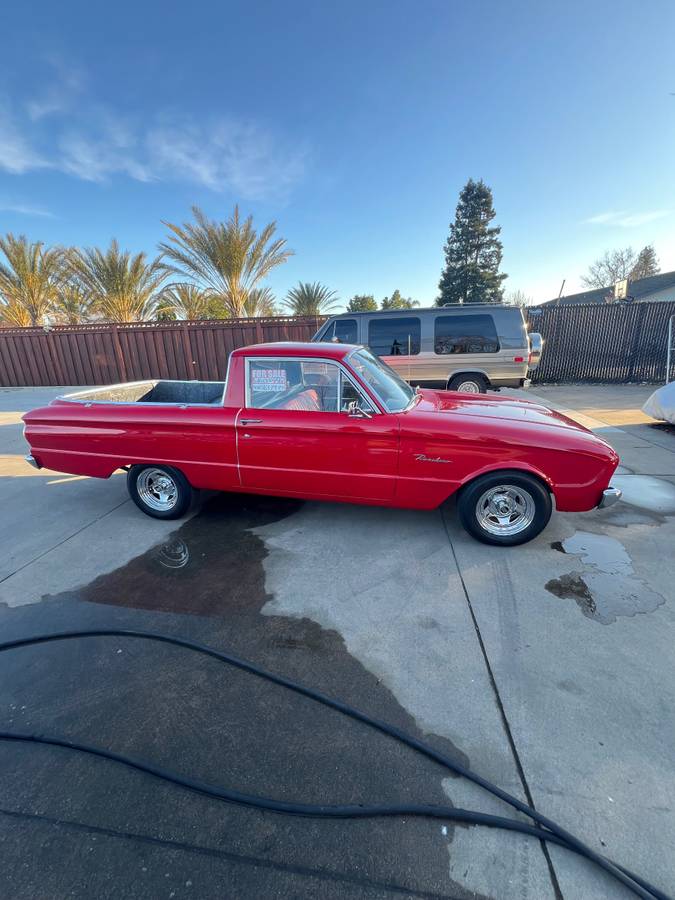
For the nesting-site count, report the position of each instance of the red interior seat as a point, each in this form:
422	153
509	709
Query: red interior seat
307	400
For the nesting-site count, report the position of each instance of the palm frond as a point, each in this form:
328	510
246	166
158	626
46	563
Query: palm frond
309	299
30	278
121	287
229	258
186	301
260	302
72	305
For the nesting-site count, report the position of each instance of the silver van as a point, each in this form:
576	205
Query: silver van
472	347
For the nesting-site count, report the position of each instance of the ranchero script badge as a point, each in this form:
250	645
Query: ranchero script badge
422	457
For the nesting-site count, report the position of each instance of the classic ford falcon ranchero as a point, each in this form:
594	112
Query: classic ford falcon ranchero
329	422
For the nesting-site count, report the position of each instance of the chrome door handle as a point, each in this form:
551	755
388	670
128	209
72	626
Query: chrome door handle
250	421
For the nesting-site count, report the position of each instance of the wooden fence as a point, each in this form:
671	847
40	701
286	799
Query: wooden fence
602	343
105	354
611	343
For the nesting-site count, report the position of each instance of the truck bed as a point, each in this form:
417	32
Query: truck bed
155	391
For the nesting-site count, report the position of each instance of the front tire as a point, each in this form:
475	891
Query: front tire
470	383
505	508
159	491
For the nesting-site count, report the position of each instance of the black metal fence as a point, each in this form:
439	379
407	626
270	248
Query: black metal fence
603	343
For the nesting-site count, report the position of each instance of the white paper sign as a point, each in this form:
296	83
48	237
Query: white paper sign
265	380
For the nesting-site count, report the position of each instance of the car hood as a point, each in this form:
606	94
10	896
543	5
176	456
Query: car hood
488	407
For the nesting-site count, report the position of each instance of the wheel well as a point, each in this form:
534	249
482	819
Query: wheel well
469	373
504	472
160	465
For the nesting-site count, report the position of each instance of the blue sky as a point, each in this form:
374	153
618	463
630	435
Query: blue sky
353	124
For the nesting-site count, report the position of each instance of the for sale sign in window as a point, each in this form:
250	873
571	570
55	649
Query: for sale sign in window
268	380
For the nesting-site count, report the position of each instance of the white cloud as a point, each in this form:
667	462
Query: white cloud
60	95
26	209
632	221
95	143
603	218
108	147
225	153
624	219
17	155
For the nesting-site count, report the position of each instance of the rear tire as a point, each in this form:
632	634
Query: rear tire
505	508
469	383
159	491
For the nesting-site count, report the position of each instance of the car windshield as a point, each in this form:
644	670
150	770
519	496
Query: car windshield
394	393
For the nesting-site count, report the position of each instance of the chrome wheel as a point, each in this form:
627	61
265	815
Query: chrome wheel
157	489
468	387
505	510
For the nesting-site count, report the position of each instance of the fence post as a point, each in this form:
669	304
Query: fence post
189	362
119	355
636	337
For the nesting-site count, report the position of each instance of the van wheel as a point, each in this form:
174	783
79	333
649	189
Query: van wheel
505	508
159	491
468	384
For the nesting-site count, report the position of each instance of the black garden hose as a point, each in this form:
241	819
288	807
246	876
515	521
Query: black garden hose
545	829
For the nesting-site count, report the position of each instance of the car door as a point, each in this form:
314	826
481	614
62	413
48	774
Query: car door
296	436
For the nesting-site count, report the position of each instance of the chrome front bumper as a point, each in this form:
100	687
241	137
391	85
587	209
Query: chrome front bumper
32	461
609	497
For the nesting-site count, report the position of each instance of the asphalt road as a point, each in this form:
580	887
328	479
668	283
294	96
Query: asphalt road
547	668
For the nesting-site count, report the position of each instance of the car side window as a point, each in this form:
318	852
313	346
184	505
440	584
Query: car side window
349	394
400	336
465	334
341	331
305	385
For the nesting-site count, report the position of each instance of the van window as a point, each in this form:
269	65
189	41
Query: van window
342	331
465	334
395	337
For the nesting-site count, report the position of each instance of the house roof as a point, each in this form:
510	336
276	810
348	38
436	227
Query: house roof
637	290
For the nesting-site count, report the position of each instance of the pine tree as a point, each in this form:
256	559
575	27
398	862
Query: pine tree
646	264
473	251
617	265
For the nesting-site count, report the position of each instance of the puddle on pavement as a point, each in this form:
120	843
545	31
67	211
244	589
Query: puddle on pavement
211	568
655	495
608	587
601	551
573	587
210	564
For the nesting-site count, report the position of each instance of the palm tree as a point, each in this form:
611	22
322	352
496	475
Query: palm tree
310	299
12	315
260	302
72	304
29	279
230	258
121	287
185	301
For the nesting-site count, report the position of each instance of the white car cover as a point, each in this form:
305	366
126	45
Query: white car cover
661	404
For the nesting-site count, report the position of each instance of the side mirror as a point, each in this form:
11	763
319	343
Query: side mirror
354	411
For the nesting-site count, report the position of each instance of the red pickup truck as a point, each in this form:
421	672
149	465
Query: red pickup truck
329	422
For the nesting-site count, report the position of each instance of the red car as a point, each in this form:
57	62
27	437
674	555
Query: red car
329	422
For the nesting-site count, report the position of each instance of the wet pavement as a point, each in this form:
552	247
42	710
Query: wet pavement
547	668
193	715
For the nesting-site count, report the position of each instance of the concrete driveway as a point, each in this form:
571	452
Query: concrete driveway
547	668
